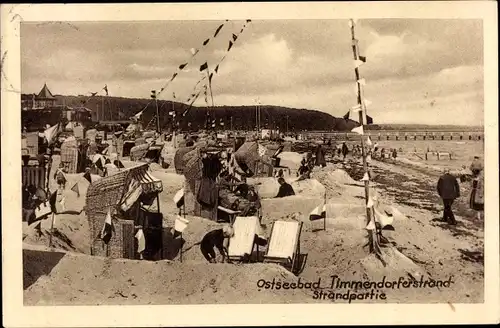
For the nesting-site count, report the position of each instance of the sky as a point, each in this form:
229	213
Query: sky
421	71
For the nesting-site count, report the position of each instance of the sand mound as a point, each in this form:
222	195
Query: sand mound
196	229
268	187
96	280
290	160
71	233
278	208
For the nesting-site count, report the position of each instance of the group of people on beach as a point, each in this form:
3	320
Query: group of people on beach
448	189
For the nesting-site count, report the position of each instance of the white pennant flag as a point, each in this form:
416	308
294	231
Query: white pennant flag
356	108
141	241
368	141
179	198
352	22
383	219
365	177
194	51
358	130
138	115
358	63
362	81
51	132
367	102
370	226
180	224
370	202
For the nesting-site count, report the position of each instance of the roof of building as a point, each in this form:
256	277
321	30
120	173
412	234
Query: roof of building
45	93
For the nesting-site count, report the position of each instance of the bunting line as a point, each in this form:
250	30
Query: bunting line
204	66
194	52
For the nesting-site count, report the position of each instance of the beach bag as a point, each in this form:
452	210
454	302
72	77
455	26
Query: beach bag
42	210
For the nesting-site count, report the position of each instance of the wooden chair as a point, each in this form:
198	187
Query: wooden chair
232	214
284	244
242	244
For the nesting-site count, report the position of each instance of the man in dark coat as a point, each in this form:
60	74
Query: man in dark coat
449	190
320	156
345	150
285	189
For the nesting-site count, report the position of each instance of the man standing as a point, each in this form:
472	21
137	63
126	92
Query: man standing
345	150
448	189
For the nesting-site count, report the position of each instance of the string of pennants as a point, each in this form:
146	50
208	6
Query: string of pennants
208	84
203	67
377	220
360	84
94	94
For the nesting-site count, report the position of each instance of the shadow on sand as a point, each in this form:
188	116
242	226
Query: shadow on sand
37	264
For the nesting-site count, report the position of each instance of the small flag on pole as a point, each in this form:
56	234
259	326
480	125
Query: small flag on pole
318	213
367	102
358	130
370	226
362	58
365	177
141	241
106	89
138	115
368	141
358	63
180	225
179	198
107	228
194	51
362	81
52	132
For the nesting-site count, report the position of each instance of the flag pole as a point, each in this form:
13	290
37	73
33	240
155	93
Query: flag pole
157	114
371	235
181	247
324	219
51	228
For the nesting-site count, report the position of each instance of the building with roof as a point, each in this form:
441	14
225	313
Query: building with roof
43	99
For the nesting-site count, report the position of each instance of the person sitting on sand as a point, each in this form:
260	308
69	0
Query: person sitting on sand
215	238
285	189
394	153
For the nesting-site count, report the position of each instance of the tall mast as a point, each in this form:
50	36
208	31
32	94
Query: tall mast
374	247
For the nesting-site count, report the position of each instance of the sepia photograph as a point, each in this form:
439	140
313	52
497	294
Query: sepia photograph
252	160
